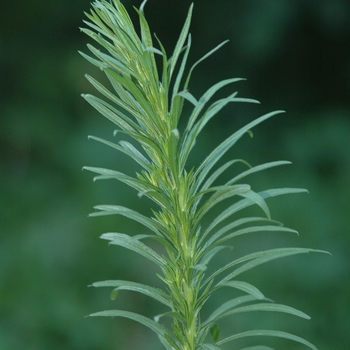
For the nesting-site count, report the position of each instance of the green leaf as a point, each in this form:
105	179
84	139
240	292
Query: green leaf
257	347
107	111
239	222
141	186
215	333
118	101
131	214
244	203
210	347
188	96
128	242
147	41
228	305
221	193
256	169
263	307
254	229
128	149
172	314
261	258
219	151
251	198
191	132
201	60
246	287
154	293
176	101
180	43
255	259
210	254
220	171
154	326
268	333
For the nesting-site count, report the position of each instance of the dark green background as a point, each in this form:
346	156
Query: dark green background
295	55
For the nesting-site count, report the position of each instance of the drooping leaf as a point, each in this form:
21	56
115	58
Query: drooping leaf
128	242
263	307
268	333
154	326
228	305
220	150
154	293
246	287
129	213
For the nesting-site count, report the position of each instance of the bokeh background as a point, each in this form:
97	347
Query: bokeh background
295	56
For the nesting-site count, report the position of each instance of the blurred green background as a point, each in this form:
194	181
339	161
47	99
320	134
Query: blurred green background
295	56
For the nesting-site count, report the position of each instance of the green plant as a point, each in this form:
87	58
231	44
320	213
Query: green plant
146	106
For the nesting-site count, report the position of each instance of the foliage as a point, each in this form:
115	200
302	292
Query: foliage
146	106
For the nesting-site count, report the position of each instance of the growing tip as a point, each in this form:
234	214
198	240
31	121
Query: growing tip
142	6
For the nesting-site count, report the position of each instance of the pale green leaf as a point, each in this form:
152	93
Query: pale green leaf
220	171
257	169
180	43
261	258
258	347
129	213
210	347
128	149
228	305
245	287
220	150
128	242
255	259
176	101
254	229
263	307
221	193
251	198
154	293
109	112
239	222
188	96
154	326
201	60
117	100
268	333
210	254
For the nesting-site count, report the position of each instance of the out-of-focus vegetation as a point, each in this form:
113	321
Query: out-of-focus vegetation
295	55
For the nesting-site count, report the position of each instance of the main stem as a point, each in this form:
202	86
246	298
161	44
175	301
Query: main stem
183	289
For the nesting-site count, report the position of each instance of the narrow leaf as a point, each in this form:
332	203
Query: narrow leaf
180	42
268	333
263	307
228	305
131	214
128	242
258	347
154	293
210	347
154	326
261	258
219	151
246	287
